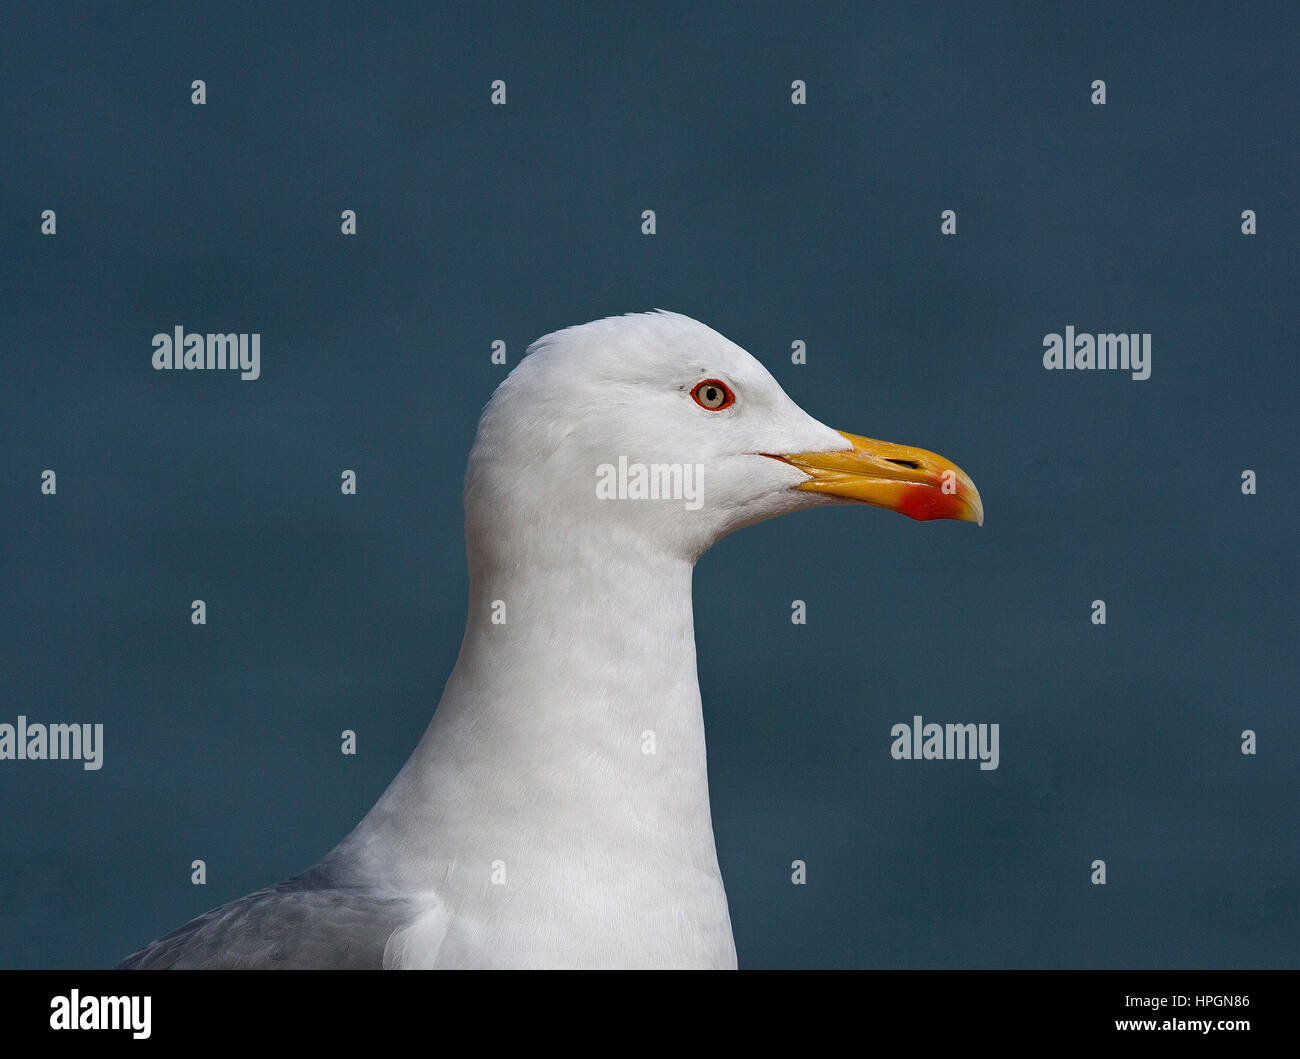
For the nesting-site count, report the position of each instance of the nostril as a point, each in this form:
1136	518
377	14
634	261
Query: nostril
905	463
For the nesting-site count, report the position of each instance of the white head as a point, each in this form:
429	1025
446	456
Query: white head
597	416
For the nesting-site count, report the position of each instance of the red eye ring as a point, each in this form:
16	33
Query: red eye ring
713	395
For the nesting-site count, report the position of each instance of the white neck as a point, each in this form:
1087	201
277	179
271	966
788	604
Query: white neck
566	757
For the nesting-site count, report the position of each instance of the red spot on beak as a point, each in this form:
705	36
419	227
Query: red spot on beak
923	503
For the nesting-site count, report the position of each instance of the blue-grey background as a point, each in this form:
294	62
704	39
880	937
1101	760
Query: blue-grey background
776	223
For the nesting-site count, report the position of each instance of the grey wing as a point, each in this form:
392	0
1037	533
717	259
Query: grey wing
290	926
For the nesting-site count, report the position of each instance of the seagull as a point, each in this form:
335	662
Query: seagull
555	813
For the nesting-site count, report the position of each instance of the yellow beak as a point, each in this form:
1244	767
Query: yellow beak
922	485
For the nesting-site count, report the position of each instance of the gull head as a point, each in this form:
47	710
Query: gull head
653	430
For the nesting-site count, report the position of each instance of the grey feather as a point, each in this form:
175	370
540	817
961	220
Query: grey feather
295	925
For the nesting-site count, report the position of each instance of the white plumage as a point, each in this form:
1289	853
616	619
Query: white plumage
530	828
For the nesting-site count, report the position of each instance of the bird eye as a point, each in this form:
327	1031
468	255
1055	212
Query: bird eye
713	394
